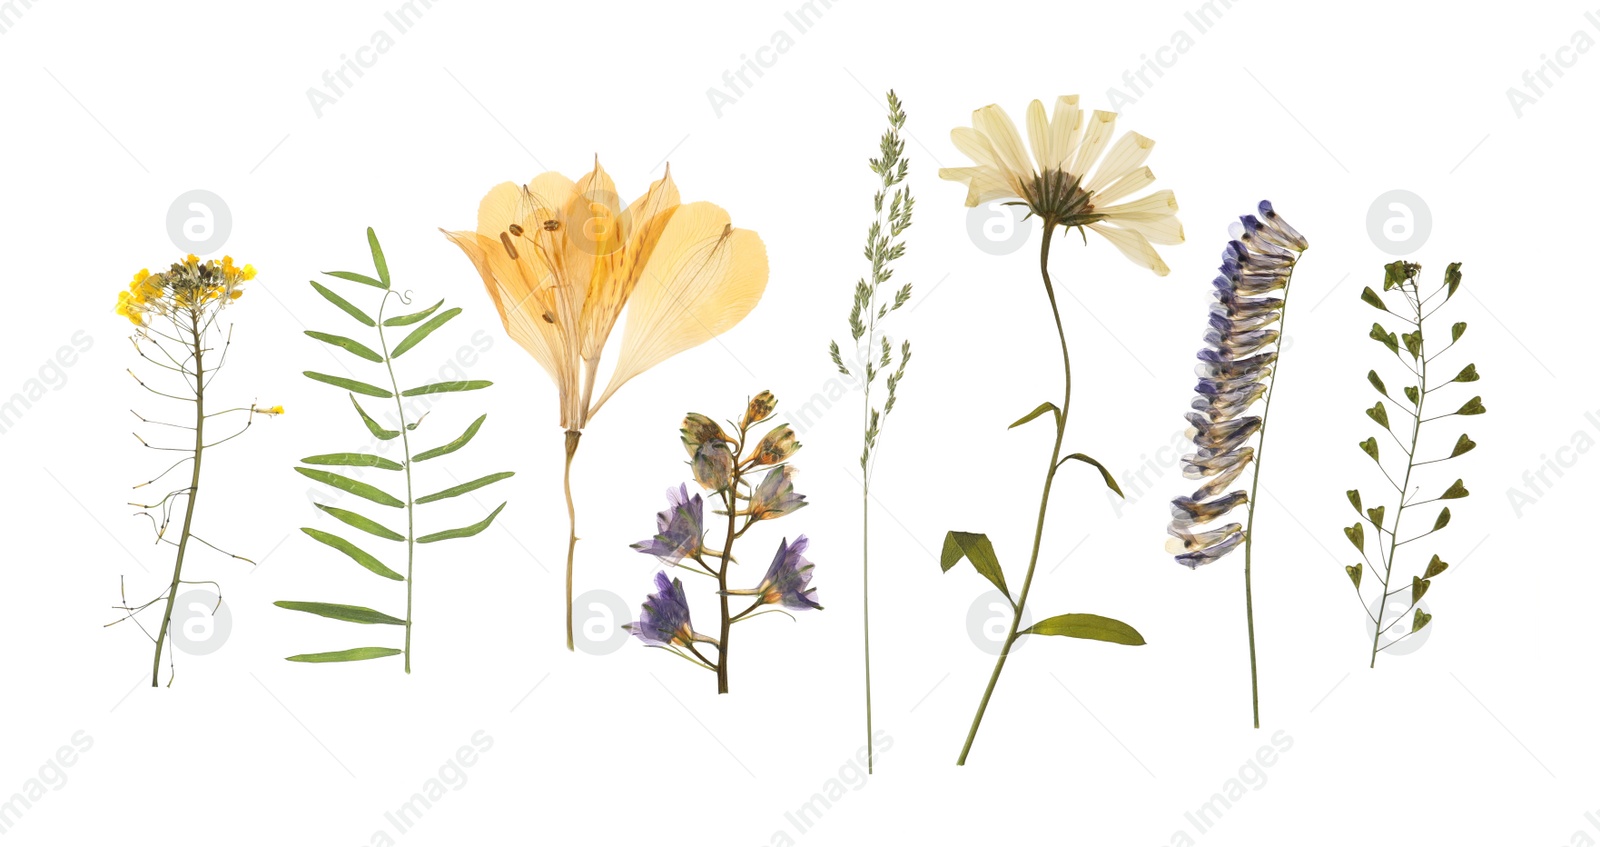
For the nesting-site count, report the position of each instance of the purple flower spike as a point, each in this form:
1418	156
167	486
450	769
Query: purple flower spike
680	530
787	578
775	496
664	619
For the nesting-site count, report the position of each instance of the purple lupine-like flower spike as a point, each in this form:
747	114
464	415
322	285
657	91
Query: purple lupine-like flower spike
788	576
775	496
664	619
680	530
1242	337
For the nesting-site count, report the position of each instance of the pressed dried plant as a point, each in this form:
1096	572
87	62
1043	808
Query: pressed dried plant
1056	186
874	354
416	327
1404	300
562	259
1238	369
175	314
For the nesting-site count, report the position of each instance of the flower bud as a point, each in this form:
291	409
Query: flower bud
776	446
699	429
760	408
713	465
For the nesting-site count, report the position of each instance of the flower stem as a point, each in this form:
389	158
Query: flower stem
730	498
405	443
194	493
572	522
1044	499
1411	463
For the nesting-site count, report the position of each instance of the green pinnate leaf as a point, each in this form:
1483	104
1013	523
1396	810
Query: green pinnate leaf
377	431
349	345
365	460
360	556
341	612
1090	627
356	654
407	320
457	444
463	532
362	522
975	548
354	486
445	387
350	384
378	261
348	307
355	277
421	332
463	488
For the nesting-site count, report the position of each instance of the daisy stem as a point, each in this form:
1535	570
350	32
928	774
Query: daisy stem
194	493
1021	602
1250	522
572	523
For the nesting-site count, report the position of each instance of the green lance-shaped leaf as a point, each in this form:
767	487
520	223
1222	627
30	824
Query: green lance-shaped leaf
1110	481
1436	566
1377	382
378	261
1090	627
1420	620
355	277
458	490
1463	445
1370	447
1043	407
424	331
362	522
1443	520
365	460
407	320
1419	587
341	612
354	655
463	532
1472	407
975	547
348	307
347	344
350	384
1384	337
1375	514
1468	374
445	387
1355	499
1457	330
354	486
1456	491
378	432
453	446
1379	414
1357	535
362	557
1354	571
1371	298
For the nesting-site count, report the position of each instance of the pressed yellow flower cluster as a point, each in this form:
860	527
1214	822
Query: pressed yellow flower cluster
187	286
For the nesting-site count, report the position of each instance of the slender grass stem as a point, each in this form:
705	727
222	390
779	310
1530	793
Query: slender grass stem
1250	522
194	494
1044	499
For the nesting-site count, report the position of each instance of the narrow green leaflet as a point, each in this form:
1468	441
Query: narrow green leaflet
424	331
341	612
1091	627
406	320
378	261
355	277
463	532
362	522
350	384
347	344
464	487
362	557
444	387
366	460
378	432
452	446
355	655
1043	407
354	486
1105	475
975	547
348	307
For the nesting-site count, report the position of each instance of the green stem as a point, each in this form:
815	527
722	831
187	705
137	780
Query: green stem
1250	522
1416	430
732	502
1044	499
194	494
572	523
405	443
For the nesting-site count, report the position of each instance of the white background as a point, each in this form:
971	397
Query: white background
1484	736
